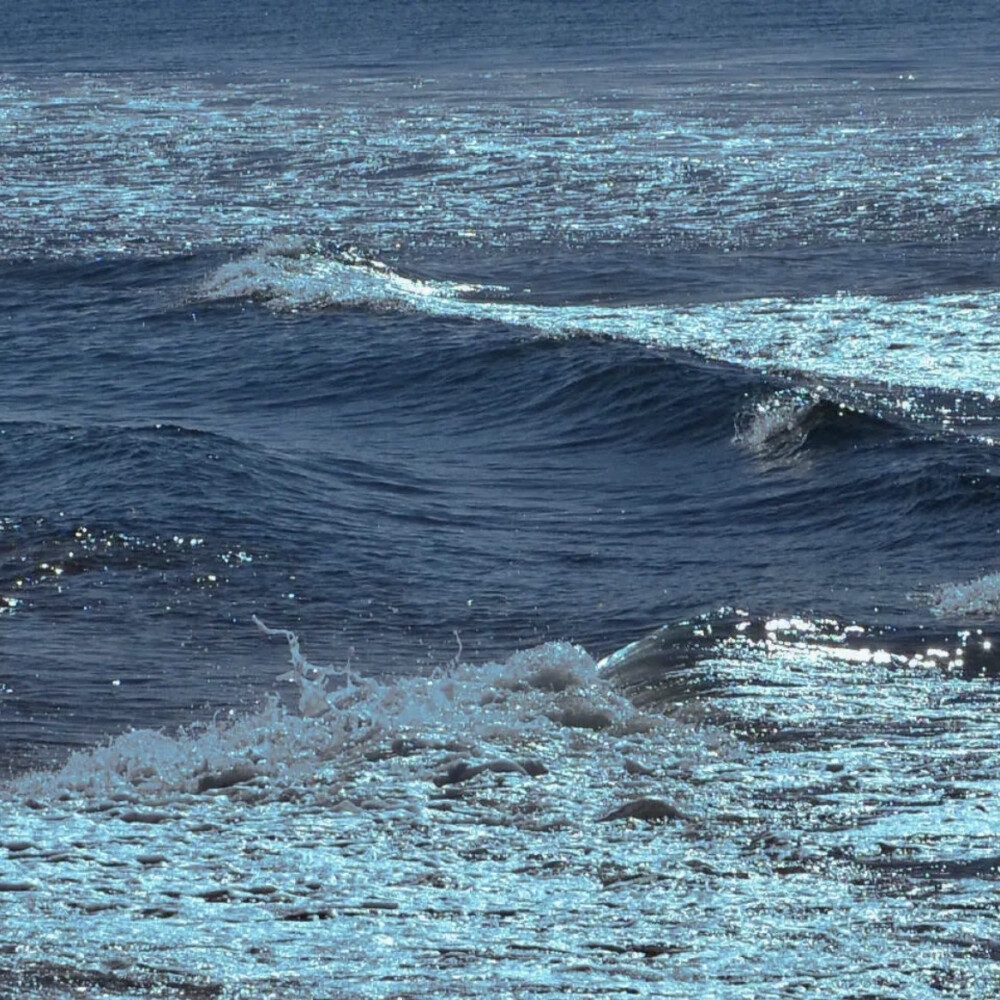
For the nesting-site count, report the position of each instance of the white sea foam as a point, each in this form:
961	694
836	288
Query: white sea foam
948	342
458	834
778	418
979	598
281	745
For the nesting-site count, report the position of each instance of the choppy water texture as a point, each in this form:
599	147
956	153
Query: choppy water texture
523	830
609	393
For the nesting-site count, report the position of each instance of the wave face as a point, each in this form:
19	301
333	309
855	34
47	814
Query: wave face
610	397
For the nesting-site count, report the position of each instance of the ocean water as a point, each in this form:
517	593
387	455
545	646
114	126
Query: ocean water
499	499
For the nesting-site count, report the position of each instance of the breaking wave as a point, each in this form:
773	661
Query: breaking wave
275	748
790	422
523	824
979	598
943	342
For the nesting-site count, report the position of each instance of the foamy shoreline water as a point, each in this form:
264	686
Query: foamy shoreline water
469	834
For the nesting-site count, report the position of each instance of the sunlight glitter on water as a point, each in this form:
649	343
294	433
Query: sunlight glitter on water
942	342
521	828
688	167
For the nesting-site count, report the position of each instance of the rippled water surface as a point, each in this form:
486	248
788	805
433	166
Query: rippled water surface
607	394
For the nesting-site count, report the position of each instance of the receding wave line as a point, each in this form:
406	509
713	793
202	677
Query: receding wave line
944	342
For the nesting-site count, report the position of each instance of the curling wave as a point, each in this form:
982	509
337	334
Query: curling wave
794	421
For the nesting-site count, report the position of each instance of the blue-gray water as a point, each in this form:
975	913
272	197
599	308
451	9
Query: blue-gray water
437	331
379	474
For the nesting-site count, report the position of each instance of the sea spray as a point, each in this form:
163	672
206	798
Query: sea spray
530	693
978	598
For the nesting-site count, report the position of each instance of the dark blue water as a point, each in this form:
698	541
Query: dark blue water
405	325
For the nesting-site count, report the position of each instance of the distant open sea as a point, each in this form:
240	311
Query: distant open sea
524	360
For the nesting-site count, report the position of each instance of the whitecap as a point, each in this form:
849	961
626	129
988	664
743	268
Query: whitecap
947	342
979	598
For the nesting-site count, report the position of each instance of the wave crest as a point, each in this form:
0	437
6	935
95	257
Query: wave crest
791	421
273	751
978	598
296	276
946	342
